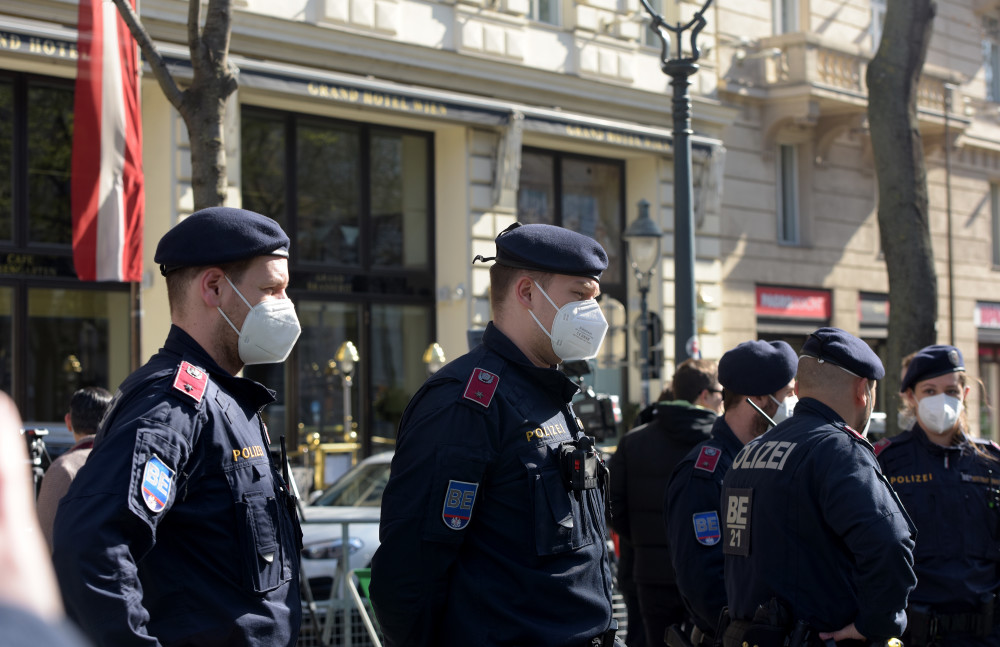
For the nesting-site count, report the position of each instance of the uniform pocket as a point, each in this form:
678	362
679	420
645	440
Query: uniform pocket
560	519
258	528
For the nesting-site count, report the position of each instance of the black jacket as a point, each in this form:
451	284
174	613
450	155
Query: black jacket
640	471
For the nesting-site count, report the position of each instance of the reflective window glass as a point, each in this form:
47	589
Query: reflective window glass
399	191
262	158
6	159
328	191
324	402
50	147
591	205
400	335
75	338
6	339
536	200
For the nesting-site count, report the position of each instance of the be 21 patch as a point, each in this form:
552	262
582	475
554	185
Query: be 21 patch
458	502
157	480
706	528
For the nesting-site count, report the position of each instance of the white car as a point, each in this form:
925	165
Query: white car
352	503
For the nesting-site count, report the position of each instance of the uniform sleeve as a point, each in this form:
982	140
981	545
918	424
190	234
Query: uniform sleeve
103	528
861	508
442	450
618	490
700	568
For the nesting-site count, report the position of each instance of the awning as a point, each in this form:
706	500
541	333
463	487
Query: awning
34	38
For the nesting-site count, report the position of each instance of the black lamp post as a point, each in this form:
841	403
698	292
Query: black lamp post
679	69
643	237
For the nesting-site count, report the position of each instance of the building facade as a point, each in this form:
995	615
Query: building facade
394	139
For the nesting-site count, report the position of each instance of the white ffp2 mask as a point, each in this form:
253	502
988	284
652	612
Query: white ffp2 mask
269	331
578	328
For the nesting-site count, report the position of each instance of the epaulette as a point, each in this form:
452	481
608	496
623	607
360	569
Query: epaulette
191	381
481	386
989	443
708	459
882	444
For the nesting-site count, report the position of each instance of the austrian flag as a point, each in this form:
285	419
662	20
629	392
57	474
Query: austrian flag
107	183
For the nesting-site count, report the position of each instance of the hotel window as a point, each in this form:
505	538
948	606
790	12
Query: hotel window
546	11
788	195
357	203
991	57
995	223
57	334
786	16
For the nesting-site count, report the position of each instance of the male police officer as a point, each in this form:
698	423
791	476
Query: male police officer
493	526
178	530
816	543
763	372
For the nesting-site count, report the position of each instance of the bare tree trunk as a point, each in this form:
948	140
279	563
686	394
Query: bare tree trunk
203	104
902	186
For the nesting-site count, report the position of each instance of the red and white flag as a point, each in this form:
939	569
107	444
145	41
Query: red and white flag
108	200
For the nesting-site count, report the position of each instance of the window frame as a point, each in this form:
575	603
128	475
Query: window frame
535	12
781	9
788	216
995	224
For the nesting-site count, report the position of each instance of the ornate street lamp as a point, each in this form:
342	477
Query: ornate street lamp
347	358
643	238
434	358
680	69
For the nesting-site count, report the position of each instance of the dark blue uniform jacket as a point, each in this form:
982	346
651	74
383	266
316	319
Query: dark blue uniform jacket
811	521
177	530
481	542
691	510
946	490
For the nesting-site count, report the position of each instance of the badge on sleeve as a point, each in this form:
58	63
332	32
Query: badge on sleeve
481	387
708	458
458	502
706	528
191	381
157	479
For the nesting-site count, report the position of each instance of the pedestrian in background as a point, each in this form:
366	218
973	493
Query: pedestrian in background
762	372
87	407
493	528
640	469
950	485
815	540
179	530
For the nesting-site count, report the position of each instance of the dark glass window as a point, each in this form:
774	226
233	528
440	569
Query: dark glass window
6	159
50	146
356	200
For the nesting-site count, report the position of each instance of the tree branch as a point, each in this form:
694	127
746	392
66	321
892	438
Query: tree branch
173	93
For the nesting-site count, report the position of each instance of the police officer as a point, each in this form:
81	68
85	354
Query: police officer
179	530
640	469
764	373
816	545
493	522
949	483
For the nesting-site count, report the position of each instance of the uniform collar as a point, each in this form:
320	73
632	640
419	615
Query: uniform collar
817	408
181	343
551	379
722	432
921	436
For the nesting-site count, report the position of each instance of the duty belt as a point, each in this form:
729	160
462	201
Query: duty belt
926	627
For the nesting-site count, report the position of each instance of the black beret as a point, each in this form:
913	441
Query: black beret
219	235
547	248
758	367
841	348
932	361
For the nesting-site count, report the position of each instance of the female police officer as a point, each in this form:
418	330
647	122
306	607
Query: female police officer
948	483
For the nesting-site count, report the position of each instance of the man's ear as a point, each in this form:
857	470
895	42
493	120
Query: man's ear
69	422
210	286
524	291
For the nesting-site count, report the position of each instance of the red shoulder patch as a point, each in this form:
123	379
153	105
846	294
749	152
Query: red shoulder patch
191	381
708	459
854	432
481	387
882	444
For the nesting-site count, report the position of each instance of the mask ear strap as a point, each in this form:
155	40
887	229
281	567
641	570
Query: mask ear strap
547	298
240	295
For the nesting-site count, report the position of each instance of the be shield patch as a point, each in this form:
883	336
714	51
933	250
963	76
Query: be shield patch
157	479
706	528
458	502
